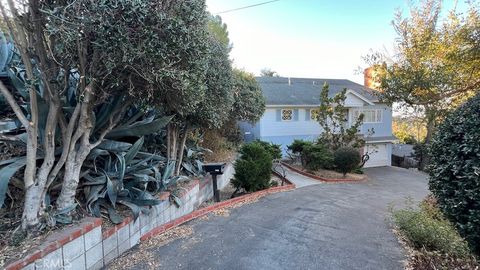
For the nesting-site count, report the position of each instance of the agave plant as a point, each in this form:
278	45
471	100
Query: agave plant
116	172
120	173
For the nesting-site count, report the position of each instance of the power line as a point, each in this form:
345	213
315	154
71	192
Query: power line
254	5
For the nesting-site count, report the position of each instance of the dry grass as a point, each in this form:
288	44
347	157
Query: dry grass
221	149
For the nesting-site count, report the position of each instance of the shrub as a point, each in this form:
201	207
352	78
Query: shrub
273	149
455	169
346	159
297	146
317	156
427	228
253	168
409	139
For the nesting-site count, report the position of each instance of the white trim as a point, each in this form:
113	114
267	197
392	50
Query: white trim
369	109
359	96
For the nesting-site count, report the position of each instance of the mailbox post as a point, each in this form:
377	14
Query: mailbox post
215	169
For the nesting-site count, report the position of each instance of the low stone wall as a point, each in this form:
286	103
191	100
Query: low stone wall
85	246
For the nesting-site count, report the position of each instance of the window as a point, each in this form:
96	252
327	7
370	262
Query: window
287	115
314	114
369	116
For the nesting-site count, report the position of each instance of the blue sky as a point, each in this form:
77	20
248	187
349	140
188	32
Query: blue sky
310	38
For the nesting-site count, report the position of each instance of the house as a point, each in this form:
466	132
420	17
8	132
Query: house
291	106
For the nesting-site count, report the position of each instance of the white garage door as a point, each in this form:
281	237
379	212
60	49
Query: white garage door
378	155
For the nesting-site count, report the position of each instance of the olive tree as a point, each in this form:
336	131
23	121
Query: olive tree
249	102
153	52
214	108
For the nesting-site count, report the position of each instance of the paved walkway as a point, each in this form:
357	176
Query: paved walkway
300	180
326	226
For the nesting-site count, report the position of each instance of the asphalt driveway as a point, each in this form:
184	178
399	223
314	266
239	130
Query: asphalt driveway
325	226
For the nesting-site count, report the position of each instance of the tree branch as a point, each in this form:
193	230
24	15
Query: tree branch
15	107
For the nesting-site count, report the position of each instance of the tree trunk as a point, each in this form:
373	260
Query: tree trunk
78	151
172	131
431	116
70	183
30	216
35	194
181	148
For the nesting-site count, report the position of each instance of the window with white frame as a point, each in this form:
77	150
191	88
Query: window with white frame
369	115
314	114
287	115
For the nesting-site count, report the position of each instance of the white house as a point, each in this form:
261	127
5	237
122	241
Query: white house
291	105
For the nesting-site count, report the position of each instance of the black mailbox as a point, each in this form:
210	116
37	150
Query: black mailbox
215	169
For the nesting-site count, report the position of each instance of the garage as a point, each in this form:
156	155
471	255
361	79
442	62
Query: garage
379	154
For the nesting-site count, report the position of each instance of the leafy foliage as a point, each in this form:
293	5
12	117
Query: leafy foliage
253	168
332	117
214	110
267	72
346	159
313	156
272	149
119	173
249	103
217	27
455	169
437	64
409	130
297	146
317	156
427	228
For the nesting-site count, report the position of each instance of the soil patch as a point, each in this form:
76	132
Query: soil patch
328	174
16	244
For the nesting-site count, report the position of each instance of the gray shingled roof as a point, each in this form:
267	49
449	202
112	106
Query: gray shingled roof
305	91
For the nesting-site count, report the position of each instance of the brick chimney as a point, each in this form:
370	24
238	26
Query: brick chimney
369	78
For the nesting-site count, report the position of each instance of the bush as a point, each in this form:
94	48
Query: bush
427	228
455	169
409	139
297	146
317	156
273	149
253	168
346	159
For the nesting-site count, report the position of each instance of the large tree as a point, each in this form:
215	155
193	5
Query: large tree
150	52
436	64
249	102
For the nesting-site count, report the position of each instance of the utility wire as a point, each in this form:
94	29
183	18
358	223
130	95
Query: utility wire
235	9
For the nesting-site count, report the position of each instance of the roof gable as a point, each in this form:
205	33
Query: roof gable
306	91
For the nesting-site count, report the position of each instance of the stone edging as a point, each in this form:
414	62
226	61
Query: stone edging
56	242
84	246
328	180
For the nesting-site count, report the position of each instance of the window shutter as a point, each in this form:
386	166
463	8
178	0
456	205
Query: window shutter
295	115
307	114
279	115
